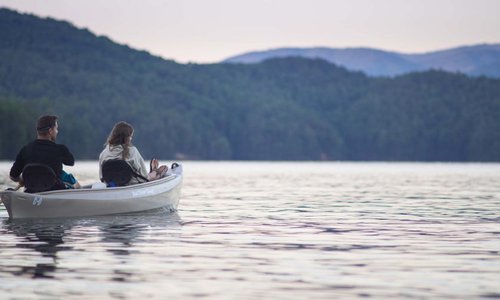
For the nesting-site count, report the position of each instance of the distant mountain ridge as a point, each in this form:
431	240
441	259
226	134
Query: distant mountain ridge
475	60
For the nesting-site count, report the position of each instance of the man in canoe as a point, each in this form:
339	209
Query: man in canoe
44	150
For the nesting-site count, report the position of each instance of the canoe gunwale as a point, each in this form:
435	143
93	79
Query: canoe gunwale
111	189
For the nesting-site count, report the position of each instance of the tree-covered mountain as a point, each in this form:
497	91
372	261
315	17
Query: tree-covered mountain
477	60
279	109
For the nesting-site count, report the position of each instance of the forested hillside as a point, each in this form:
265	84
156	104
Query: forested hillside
280	109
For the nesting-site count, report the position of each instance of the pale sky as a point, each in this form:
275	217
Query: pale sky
206	31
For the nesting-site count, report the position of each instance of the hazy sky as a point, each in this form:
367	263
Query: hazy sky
211	30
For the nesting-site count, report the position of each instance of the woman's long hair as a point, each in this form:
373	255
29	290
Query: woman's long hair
121	135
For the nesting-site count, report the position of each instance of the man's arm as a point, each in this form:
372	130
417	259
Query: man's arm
67	157
17	167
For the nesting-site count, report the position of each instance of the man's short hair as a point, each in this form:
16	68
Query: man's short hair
45	123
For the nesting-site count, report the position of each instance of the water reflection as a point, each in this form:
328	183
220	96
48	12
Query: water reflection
47	238
44	237
126	229
120	233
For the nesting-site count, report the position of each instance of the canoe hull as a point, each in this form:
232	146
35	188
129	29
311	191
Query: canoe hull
163	193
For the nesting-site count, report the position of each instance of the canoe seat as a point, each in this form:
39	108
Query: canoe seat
117	172
40	178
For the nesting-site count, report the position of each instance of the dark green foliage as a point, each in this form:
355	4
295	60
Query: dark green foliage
281	109
16	126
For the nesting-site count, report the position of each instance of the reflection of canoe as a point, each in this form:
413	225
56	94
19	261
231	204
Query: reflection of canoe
159	194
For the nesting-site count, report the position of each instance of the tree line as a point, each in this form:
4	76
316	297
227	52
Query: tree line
280	109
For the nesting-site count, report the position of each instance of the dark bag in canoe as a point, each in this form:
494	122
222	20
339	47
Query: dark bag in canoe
117	172
41	178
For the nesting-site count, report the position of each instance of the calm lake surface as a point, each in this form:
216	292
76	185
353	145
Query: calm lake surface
274	230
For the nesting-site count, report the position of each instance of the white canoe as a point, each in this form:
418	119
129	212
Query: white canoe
163	193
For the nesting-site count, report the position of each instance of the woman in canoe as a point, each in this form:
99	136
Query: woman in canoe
119	146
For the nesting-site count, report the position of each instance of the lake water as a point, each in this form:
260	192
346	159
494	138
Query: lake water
274	230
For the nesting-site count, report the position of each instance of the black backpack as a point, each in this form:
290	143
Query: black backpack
117	172
40	178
